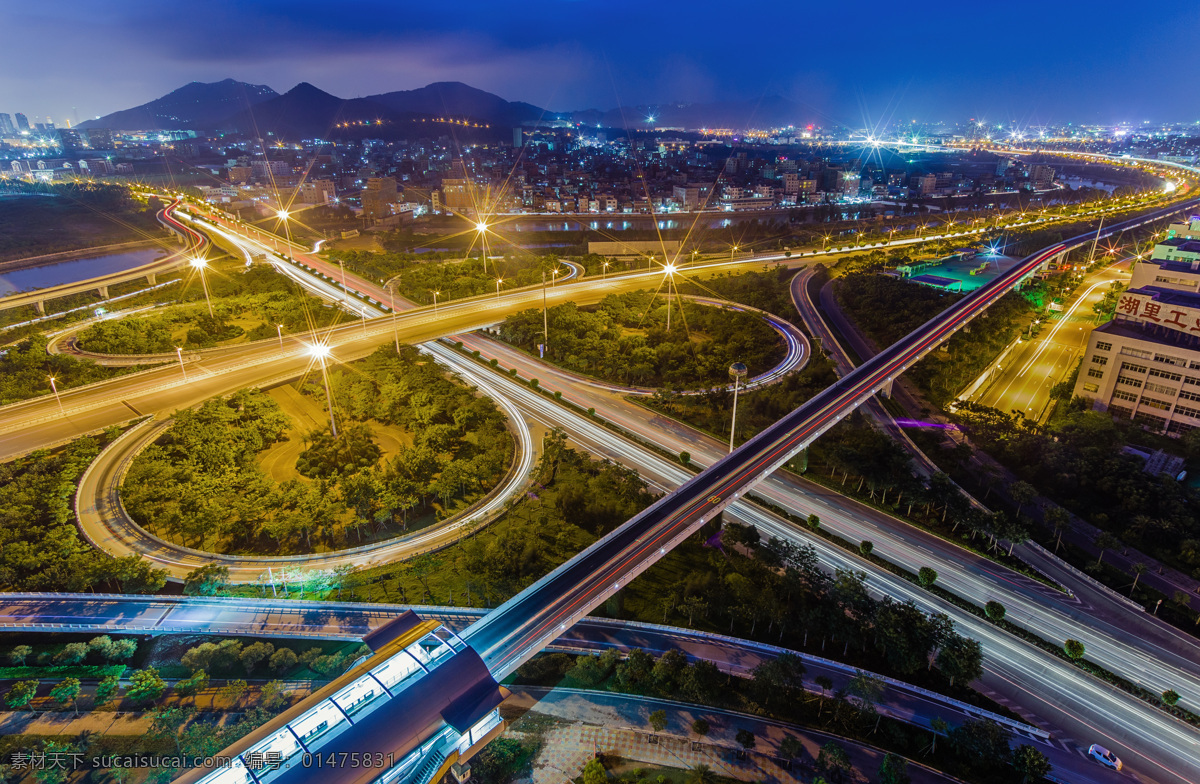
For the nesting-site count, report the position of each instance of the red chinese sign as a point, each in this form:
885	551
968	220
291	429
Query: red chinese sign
1143	308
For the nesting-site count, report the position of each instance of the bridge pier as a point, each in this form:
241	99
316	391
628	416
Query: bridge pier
886	389
151	279
103	291
41	306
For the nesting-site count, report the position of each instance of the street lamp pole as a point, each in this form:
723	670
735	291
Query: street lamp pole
320	351
545	318
395	327
345	291
179	354
435	296
201	265
738	371
279	331
498	282
56	397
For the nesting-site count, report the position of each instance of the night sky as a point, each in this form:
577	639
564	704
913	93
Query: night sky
852	63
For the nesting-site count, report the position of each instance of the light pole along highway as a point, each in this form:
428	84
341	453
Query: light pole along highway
511	634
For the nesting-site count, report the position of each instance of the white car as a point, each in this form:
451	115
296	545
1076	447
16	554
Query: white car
1104	757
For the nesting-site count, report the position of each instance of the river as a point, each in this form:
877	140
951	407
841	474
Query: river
60	272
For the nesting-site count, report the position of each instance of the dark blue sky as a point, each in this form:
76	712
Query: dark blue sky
1024	62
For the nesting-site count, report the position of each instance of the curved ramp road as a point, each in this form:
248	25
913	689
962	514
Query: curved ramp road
106	525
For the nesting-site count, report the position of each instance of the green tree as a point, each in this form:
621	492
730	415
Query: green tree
813	522
67	691
833	760
790	747
994	611
17	655
746	739
594	773
255	653
893	770
685	458
1059	520
700	727
192	685
701	774
21	694
134	574
1170	697
927	576
960	659
166	722
102	645
866	546
72	653
106	690
145	685
283	660
658	720
273	695
1074	649
1105	541
233	691
1022	492
120	650
207	580
1031	763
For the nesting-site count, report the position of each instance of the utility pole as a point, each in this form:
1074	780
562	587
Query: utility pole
545	318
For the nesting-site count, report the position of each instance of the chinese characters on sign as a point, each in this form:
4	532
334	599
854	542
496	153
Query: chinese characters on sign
1143	308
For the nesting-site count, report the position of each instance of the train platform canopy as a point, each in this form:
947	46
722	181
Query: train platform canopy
936	281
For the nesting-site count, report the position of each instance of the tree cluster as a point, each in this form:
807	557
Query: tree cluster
624	339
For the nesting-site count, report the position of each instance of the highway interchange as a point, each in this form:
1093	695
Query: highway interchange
1040	680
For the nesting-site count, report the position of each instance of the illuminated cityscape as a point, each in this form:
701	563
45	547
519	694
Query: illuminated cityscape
574	392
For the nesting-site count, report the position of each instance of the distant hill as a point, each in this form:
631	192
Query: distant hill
455	99
195	105
304	112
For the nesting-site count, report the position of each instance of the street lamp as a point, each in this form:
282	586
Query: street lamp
56	397
392	304
604	272
732	251
738	371
287	230
179	354
482	227
320	351
345	291
435	296
200	265
669	272
498	282
279	331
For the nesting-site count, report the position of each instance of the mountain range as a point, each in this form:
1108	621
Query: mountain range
306	111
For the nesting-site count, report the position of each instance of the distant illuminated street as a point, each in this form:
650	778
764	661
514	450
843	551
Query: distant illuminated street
1021	379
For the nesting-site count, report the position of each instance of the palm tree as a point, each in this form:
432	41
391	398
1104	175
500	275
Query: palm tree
1138	568
701	774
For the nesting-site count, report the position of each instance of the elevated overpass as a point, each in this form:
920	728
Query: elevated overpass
418	747
192	240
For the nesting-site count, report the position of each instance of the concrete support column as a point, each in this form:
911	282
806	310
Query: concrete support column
886	390
41	306
103	291
151	279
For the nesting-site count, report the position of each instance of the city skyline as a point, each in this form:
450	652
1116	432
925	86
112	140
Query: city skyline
1011	66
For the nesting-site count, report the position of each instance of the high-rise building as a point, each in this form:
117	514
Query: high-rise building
22	122
6	123
70	140
100	138
1041	176
378	197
